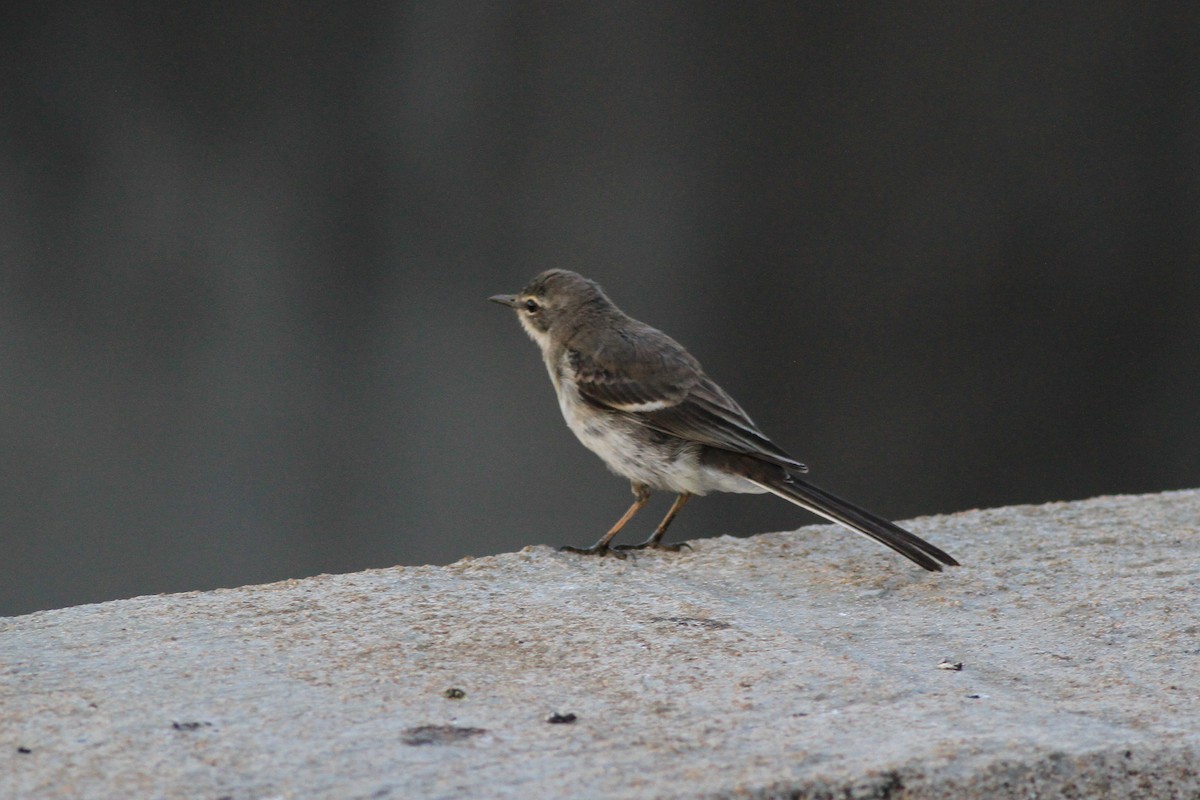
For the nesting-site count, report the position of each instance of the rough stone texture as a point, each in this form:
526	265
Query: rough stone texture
800	664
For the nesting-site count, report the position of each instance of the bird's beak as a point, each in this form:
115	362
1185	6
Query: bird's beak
509	300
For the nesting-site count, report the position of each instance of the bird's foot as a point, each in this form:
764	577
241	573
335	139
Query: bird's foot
652	545
594	550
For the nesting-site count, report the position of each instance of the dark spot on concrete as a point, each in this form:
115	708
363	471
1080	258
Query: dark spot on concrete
439	734
561	719
694	622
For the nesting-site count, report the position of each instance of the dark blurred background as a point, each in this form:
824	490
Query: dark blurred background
948	255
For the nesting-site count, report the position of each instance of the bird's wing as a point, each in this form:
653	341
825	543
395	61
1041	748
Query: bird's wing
654	381
635	381
710	416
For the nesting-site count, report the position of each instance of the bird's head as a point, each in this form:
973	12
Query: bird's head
552	302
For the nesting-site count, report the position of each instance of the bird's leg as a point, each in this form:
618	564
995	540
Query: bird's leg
641	495
655	540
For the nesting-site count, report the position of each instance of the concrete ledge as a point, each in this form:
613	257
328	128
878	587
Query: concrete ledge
801	664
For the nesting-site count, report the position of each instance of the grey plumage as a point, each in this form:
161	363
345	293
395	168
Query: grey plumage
641	402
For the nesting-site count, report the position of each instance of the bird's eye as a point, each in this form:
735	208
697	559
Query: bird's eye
531	306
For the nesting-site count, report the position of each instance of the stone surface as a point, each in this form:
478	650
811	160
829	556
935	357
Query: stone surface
802	664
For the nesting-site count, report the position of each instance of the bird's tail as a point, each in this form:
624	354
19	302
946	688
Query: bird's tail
848	515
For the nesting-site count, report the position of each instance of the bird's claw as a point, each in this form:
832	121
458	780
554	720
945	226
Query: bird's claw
594	550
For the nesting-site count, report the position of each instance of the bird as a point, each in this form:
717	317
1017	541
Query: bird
641	402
